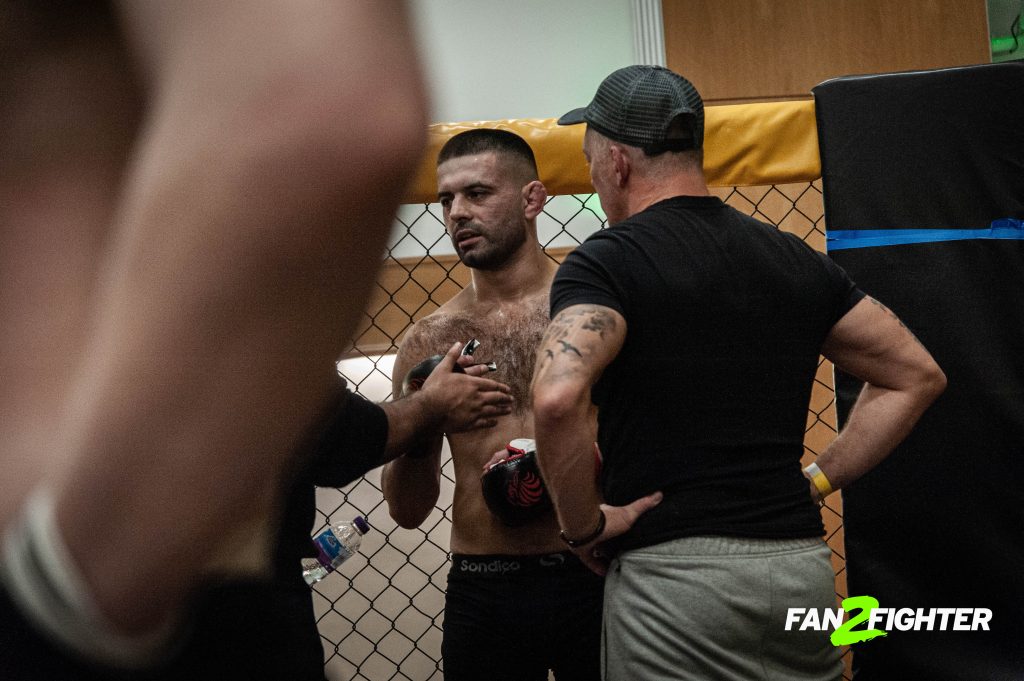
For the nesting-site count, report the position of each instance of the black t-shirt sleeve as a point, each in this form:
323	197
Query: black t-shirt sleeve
845	291
588	276
351	440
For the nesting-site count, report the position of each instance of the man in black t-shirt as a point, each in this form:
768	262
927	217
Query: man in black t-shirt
696	330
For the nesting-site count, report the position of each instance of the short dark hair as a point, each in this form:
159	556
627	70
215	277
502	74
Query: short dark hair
481	140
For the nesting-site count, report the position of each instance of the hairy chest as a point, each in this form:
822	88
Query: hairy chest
508	336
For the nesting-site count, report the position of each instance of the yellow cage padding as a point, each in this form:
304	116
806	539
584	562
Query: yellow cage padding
744	145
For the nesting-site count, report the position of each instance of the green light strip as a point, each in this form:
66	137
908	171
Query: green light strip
1002	45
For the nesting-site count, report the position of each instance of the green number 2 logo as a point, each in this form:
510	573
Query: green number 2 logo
845	635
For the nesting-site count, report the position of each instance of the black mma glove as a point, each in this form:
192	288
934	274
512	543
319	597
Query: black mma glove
513	488
414	380
416	376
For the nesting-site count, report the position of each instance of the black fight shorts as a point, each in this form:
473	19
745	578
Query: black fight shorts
513	618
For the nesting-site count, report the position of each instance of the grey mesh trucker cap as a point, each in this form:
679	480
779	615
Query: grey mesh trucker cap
636	105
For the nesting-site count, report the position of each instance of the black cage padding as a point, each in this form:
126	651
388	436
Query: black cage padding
940	522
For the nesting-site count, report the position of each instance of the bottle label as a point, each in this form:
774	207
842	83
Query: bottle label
330	552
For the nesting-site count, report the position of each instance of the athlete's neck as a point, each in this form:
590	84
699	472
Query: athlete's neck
528	272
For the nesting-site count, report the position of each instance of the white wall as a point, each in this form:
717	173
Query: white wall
494	60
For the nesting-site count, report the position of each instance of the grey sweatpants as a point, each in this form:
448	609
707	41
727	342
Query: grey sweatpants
714	609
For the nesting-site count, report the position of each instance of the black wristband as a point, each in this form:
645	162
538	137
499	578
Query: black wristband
576	543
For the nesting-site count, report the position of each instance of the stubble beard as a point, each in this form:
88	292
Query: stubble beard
494	252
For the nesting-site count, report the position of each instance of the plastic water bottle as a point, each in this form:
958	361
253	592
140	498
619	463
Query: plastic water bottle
334	546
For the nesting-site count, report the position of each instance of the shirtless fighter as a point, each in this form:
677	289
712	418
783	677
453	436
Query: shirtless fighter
517	603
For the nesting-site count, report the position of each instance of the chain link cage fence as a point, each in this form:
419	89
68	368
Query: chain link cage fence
381	615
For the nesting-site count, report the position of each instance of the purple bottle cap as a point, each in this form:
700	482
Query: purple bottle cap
361	524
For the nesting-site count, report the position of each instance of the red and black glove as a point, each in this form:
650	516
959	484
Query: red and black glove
513	488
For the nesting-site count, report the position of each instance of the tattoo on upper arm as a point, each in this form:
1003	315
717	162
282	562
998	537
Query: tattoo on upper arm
569	347
898	320
598	321
570	336
587	318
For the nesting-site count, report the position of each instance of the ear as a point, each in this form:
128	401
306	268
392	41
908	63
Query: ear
535	194
621	164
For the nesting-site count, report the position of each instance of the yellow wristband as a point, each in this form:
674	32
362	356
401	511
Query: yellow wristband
821	483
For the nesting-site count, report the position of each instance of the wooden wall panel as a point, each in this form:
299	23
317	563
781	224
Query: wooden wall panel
754	50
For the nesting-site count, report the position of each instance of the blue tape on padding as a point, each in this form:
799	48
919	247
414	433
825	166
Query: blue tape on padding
1004	228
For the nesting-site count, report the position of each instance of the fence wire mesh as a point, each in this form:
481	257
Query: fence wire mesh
381	616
